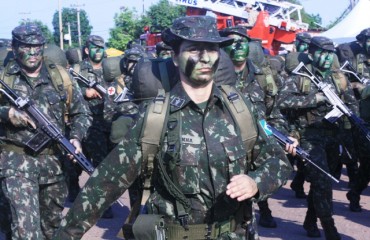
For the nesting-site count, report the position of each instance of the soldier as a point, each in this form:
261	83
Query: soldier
129	61
163	50
253	72
302	42
33	182
359	56
318	136
97	143
203	157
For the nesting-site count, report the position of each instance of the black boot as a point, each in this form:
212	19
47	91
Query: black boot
354	201
330	230
266	219
297	184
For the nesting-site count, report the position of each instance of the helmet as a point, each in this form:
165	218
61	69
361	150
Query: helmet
239	30
194	28
28	34
96	40
304	37
363	35
322	42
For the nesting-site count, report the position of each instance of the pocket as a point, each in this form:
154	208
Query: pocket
237	156
55	106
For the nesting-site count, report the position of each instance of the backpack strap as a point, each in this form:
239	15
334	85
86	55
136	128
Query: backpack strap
164	75
242	116
120	84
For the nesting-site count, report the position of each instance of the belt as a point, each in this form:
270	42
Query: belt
199	231
25	150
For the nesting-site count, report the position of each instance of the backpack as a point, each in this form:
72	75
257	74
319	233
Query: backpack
59	78
153	132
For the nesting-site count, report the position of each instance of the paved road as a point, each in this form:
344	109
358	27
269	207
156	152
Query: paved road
288	211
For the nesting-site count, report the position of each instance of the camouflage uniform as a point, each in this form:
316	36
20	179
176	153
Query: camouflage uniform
361	62
203	154
33	182
319	137
129	62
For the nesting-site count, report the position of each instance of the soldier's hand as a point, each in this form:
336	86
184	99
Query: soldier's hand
241	187
291	148
77	144
92	93
320	98
357	85
20	118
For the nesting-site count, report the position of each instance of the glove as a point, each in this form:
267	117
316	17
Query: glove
20	118
320	98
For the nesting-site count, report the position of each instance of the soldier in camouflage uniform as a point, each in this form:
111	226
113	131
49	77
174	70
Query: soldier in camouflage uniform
33	182
206	158
129	62
319	137
361	62
163	51
251	72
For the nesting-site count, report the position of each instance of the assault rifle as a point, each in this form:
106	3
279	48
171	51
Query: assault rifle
283	140
46	130
90	83
339	108
348	68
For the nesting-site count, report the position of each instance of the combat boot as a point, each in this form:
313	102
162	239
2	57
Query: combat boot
354	201
310	225
297	186
330	230
266	219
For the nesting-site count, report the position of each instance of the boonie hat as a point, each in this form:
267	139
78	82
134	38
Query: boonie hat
239	30
28	34
304	37
323	43
96	40
194	28
363	34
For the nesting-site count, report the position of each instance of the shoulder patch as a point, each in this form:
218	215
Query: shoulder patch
265	127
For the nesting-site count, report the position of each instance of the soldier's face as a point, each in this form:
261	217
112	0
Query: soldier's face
197	61
323	59
301	46
96	54
164	54
239	50
29	56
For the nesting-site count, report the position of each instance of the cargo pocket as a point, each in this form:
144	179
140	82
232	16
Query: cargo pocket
237	156
54	102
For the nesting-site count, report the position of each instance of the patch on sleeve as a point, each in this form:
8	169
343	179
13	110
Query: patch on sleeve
265	127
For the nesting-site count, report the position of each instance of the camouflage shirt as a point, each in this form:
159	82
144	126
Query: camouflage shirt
43	94
206	154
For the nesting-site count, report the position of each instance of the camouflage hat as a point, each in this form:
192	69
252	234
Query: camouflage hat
194	28
323	43
28	34
304	37
239	30
162	46
363	34
96	40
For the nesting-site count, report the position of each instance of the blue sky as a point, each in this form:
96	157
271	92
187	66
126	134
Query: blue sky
101	12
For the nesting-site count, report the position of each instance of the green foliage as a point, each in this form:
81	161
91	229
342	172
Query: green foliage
312	19
69	15
45	30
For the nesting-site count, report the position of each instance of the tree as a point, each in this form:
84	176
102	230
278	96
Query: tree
44	29
124	30
69	15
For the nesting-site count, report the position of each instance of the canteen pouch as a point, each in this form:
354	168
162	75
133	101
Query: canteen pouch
149	227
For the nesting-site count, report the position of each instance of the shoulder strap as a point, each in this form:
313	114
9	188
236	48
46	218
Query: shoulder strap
242	117
120	84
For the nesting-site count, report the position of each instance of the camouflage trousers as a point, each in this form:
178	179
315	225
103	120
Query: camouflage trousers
323	147
34	210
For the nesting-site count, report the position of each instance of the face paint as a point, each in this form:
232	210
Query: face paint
301	46
96	53
323	59
198	61
239	50
164	54
29	56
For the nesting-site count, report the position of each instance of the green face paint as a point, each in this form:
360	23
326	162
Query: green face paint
96	54
29	56
301	46
198	61
164	54
239	50
323	59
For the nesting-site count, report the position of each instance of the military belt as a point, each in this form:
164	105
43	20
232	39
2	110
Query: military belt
200	231
25	150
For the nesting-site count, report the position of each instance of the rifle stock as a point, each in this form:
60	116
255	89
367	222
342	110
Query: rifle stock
348	68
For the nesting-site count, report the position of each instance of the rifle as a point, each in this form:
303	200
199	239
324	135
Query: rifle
46	130
348	68
283	140
339	108
90	83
